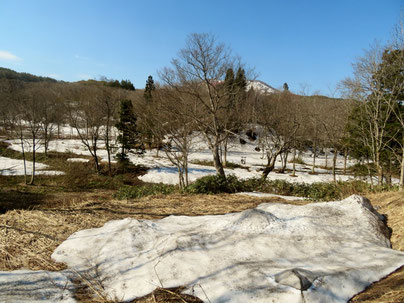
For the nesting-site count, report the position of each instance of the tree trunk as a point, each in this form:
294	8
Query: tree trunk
31	182
216	160
109	161
225	153
24	161
180	178
97	164
108	150
221	154
313	170
388	173
370	174
402	170
294	163
345	159
284	161
334	164
326	158
186	172
379	169
46	141
270	167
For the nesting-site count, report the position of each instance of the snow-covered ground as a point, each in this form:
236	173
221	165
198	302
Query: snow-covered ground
162	171
13	167
319	252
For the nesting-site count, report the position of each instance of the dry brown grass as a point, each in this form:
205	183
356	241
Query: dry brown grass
29	237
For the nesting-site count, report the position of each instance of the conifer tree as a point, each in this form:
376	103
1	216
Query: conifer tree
229	79
240	86
149	88
129	137
229	85
126	84
285	87
241	81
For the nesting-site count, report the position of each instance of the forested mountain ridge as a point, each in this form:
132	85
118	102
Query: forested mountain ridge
6	73
9	74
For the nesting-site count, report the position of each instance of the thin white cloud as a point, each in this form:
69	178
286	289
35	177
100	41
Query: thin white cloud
78	57
5	55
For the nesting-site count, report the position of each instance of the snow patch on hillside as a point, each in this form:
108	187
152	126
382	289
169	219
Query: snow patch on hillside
261	87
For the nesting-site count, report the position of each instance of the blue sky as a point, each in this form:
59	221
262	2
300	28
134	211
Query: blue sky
304	43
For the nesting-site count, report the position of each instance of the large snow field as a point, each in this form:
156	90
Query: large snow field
319	252
162	171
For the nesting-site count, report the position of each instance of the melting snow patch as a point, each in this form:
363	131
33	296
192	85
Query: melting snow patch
320	252
35	286
14	167
76	160
258	194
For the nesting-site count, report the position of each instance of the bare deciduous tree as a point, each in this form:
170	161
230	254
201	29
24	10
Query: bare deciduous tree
197	74
108	100
279	122
85	115
174	128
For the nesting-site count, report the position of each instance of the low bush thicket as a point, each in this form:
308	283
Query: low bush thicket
362	170
315	191
215	184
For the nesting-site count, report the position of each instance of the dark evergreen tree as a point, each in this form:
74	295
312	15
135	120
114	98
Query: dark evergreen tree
229	86
390	74
240	87
229	79
149	137
126	84
129	137
390	77
149	88
241	81
285	87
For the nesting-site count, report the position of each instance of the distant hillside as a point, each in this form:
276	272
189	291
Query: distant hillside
6	73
